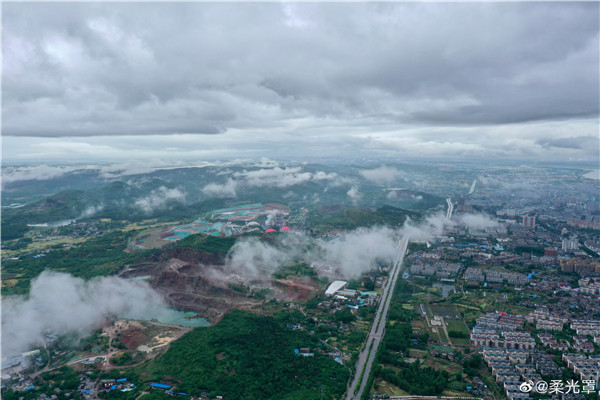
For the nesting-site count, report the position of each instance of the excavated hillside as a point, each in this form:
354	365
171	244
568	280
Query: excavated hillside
196	280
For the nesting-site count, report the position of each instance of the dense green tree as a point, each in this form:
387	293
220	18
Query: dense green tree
247	356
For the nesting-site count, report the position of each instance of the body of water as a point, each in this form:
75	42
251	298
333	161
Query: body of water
182	318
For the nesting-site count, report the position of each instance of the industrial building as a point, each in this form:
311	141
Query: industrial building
334	287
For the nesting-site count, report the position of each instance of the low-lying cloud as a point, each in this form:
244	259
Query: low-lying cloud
158	198
36	172
60	303
354	194
227	189
90	211
428	229
252	258
352	253
383	174
266	177
477	221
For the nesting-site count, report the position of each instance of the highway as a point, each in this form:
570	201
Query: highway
450	208
367	355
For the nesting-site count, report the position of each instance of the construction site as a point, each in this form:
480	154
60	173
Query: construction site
224	222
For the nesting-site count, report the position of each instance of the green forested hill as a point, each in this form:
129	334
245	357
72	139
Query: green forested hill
98	256
342	217
247	356
210	244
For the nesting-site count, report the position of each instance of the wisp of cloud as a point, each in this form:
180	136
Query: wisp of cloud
60	303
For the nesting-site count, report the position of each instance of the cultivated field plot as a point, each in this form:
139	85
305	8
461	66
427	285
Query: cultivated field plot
444	310
456	325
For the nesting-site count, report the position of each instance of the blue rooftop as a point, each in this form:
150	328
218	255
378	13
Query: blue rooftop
159	385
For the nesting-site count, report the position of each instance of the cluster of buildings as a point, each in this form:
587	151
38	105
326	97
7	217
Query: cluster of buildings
439	269
90	389
473	274
586	327
588	286
15	365
342	297
586	367
513	357
500	321
510	366
509	340
549	341
580	265
545	320
584	223
580	344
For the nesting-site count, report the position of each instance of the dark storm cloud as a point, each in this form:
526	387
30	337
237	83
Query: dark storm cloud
90	69
494	80
579	142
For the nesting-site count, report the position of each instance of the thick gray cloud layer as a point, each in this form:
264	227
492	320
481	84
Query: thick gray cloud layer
416	78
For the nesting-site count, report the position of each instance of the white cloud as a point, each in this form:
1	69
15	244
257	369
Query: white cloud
354	194
128	168
61	303
265	177
477	221
91	211
274	177
37	172
383	174
432	226
158	198
252	258
228	189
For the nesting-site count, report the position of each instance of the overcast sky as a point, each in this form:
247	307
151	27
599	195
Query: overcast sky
114	81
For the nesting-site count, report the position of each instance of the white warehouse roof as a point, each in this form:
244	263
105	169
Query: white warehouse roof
334	287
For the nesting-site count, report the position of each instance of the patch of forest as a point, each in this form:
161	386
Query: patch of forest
247	356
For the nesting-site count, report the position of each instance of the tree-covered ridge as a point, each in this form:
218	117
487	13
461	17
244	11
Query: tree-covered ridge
342	217
210	244
248	356
100	256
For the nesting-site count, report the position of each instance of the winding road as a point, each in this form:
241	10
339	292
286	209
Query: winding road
450	208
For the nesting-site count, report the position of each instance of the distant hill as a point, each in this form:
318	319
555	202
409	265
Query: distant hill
344	217
62	206
210	244
181	194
